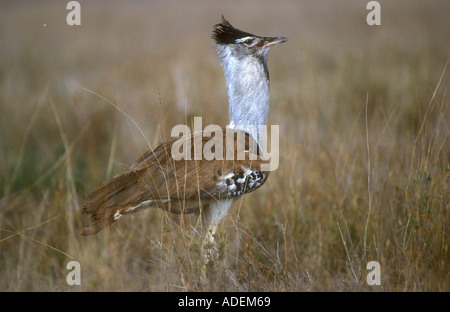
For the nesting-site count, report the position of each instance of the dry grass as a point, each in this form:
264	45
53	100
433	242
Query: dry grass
339	89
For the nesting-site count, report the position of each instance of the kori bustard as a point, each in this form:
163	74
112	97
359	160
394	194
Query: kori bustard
205	187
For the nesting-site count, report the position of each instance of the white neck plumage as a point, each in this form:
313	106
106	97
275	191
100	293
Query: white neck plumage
247	82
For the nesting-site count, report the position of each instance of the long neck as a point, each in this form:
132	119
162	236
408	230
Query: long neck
247	82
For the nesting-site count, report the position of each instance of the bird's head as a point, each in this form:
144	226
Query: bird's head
241	43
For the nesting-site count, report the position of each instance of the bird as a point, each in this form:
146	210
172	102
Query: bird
205	187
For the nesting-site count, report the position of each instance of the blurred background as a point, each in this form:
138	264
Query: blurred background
364	144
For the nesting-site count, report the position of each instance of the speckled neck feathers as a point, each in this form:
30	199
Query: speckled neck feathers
247	80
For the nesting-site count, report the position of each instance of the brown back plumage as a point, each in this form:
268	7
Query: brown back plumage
178	186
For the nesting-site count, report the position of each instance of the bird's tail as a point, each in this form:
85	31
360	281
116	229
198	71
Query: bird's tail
97	221
109	202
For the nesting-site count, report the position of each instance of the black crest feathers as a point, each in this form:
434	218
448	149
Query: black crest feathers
225	33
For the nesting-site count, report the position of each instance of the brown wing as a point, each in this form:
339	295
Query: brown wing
179	186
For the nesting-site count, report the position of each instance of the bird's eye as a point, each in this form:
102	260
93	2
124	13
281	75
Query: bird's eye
248	41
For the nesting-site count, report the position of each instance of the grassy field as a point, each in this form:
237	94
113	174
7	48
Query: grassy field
364	168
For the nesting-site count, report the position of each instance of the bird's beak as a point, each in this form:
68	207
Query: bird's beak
270	41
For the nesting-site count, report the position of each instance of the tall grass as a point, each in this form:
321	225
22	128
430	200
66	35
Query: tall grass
364	165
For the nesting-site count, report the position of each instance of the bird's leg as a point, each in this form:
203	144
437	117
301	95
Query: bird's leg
212	215
209	243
